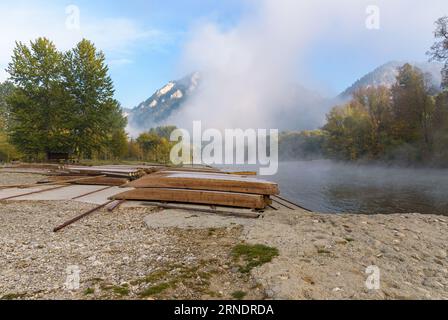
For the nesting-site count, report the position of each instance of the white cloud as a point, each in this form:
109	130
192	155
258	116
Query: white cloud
117	36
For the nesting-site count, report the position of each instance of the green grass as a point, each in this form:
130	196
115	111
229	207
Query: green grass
13	296
89	291
121	290
161	280
157	289
253	255
239	295
323	251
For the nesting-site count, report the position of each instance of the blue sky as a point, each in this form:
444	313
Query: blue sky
145	41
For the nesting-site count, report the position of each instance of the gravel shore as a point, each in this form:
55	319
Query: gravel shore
7	179
143	253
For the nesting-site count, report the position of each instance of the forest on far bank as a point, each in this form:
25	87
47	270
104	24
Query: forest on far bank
405	124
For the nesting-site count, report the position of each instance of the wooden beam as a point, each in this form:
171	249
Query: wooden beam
210	182
229	199
100	181
85	214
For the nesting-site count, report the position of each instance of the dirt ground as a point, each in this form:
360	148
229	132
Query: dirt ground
144	253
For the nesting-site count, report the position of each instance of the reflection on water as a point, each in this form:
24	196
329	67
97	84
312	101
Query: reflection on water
326	186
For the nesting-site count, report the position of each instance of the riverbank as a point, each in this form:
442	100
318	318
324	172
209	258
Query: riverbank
146	253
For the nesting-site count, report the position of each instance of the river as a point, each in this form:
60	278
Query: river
331	187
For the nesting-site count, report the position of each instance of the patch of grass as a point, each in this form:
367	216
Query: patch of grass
151	278
121	290
157	289
238	295
89	291
172	276
253	255
323	251
13	296
211	231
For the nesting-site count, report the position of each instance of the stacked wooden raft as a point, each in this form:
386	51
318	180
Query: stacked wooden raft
103	175
109	171
210	188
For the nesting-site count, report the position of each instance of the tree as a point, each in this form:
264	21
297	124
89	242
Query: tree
349	131
377	103
62	102
134	151
413	107
118	144
37	106
155	145
439	50
7	151
96	115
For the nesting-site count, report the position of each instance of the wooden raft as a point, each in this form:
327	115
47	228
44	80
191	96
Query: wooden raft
206	181
230	199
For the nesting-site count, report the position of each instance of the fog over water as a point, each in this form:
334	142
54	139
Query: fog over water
330	187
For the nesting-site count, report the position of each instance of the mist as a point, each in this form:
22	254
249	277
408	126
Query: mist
256	74
249	71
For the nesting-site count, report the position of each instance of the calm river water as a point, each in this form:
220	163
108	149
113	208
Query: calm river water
330	187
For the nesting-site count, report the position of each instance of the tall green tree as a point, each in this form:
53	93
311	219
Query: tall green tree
413	107
7	151
62	102
349	132
95	115
37	107
376	101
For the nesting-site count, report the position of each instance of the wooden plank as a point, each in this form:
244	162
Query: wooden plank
114	205
196	196
243	173
101	181
192	169
85	214
210	182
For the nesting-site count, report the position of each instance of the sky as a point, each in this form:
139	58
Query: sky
148	42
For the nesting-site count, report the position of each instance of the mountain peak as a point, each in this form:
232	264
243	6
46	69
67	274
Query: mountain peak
162	103
386	75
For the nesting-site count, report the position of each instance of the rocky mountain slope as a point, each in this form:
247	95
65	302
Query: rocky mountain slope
162	104
387	73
